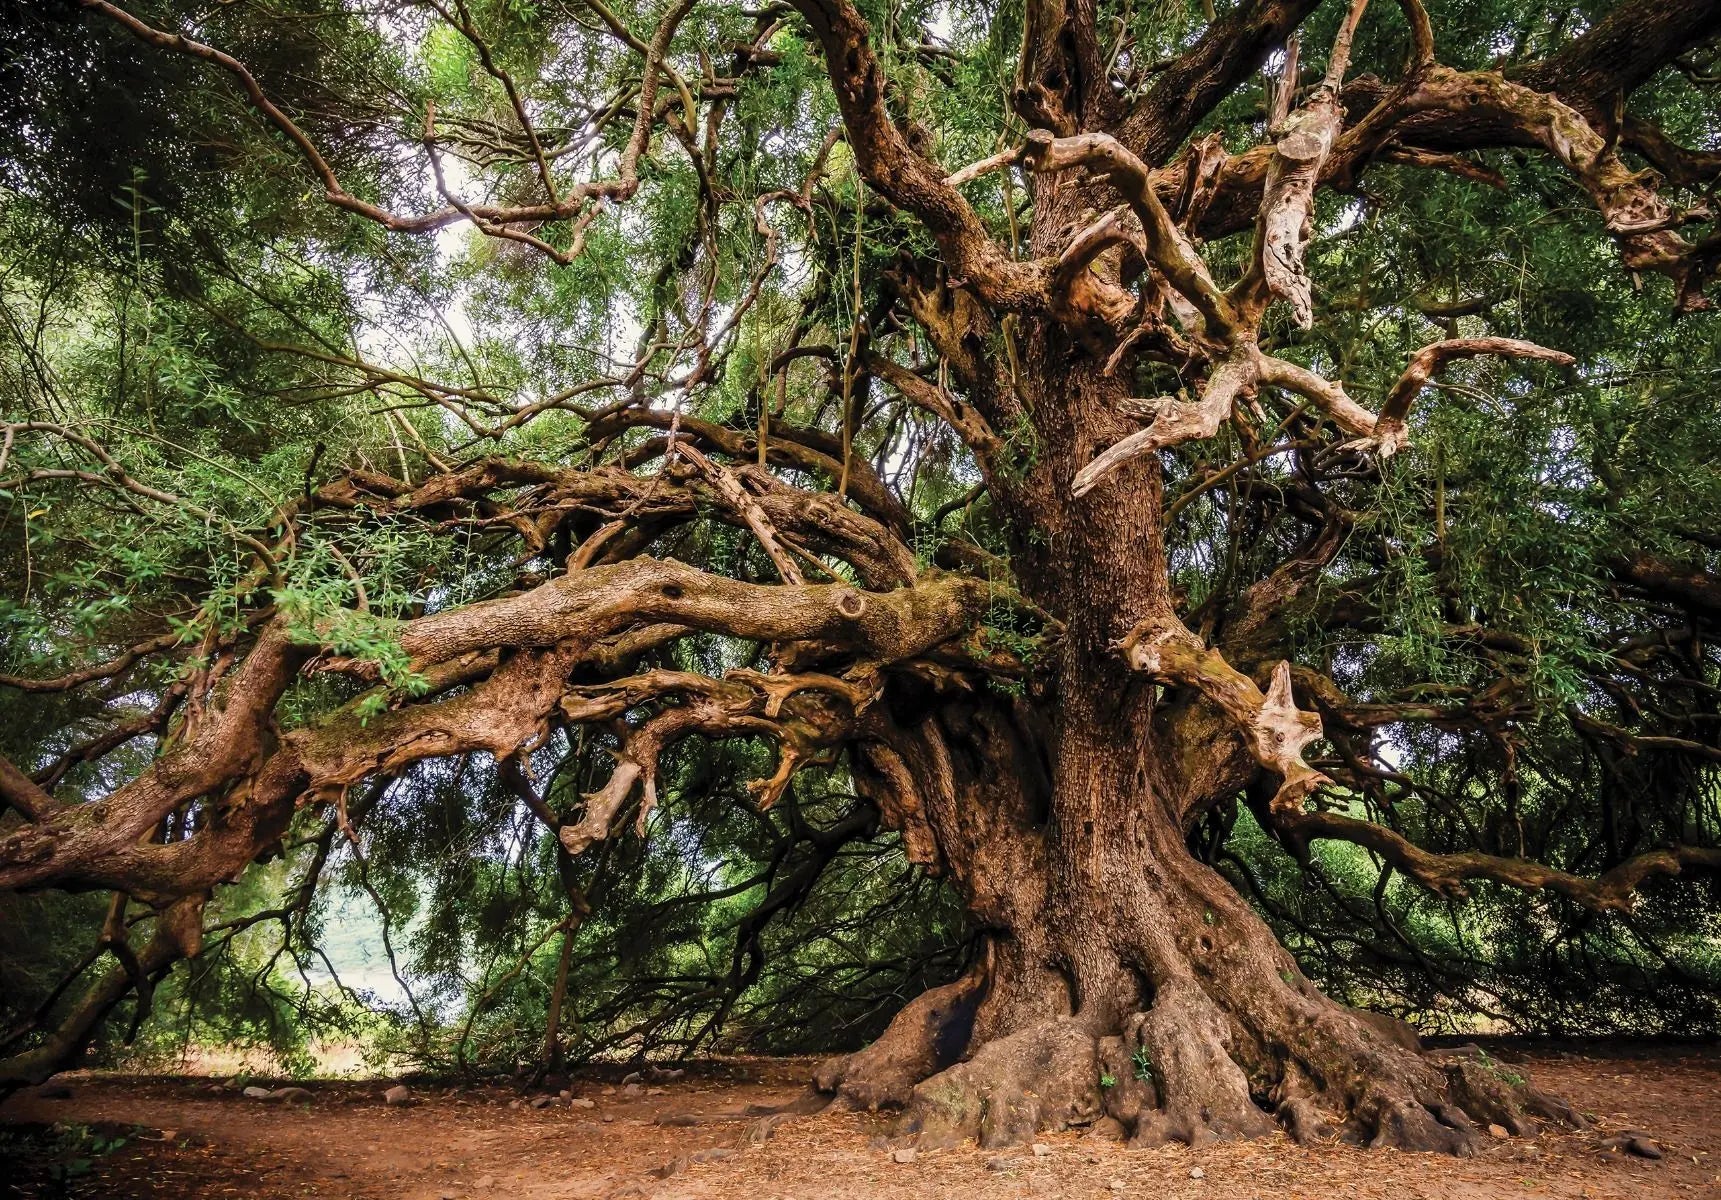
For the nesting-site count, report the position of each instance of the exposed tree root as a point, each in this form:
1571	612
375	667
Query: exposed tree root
1203	1093
927	1036
1127	1081
1304	1122
1408	1101
1044	1077
1177	1073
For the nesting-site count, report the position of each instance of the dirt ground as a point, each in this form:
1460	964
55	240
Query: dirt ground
118	1138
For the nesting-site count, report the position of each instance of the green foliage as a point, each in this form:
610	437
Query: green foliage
175	289
66	1152
1142	1063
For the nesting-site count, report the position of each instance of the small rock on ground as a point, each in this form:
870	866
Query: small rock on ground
904	1156
1197	1173
1041	1150
255	1093
581	1102
398	1096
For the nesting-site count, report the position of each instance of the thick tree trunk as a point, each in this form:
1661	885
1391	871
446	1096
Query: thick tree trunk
1123	979
1129	983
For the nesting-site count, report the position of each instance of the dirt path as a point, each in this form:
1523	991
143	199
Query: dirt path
195	1144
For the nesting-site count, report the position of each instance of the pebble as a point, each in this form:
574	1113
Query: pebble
1498	1131
633	1089
1197	1173
540	1102
1116	1185
398	1096
255	1093
608	1117
581	1102
296	1095
904	1156
1041	1150
632	1077
1000	1163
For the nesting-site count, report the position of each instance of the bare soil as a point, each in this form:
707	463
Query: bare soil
191	1139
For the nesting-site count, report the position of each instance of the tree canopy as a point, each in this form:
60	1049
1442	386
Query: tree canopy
704	523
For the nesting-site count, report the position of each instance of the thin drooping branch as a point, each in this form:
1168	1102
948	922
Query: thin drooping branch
974	430
905	177
178	934
574	200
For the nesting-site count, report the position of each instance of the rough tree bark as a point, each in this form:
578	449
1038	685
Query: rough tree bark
1061	815
1122	956
1112	951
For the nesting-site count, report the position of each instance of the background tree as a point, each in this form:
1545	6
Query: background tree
445	424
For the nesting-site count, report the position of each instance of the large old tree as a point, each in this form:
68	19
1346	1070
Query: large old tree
1078	427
